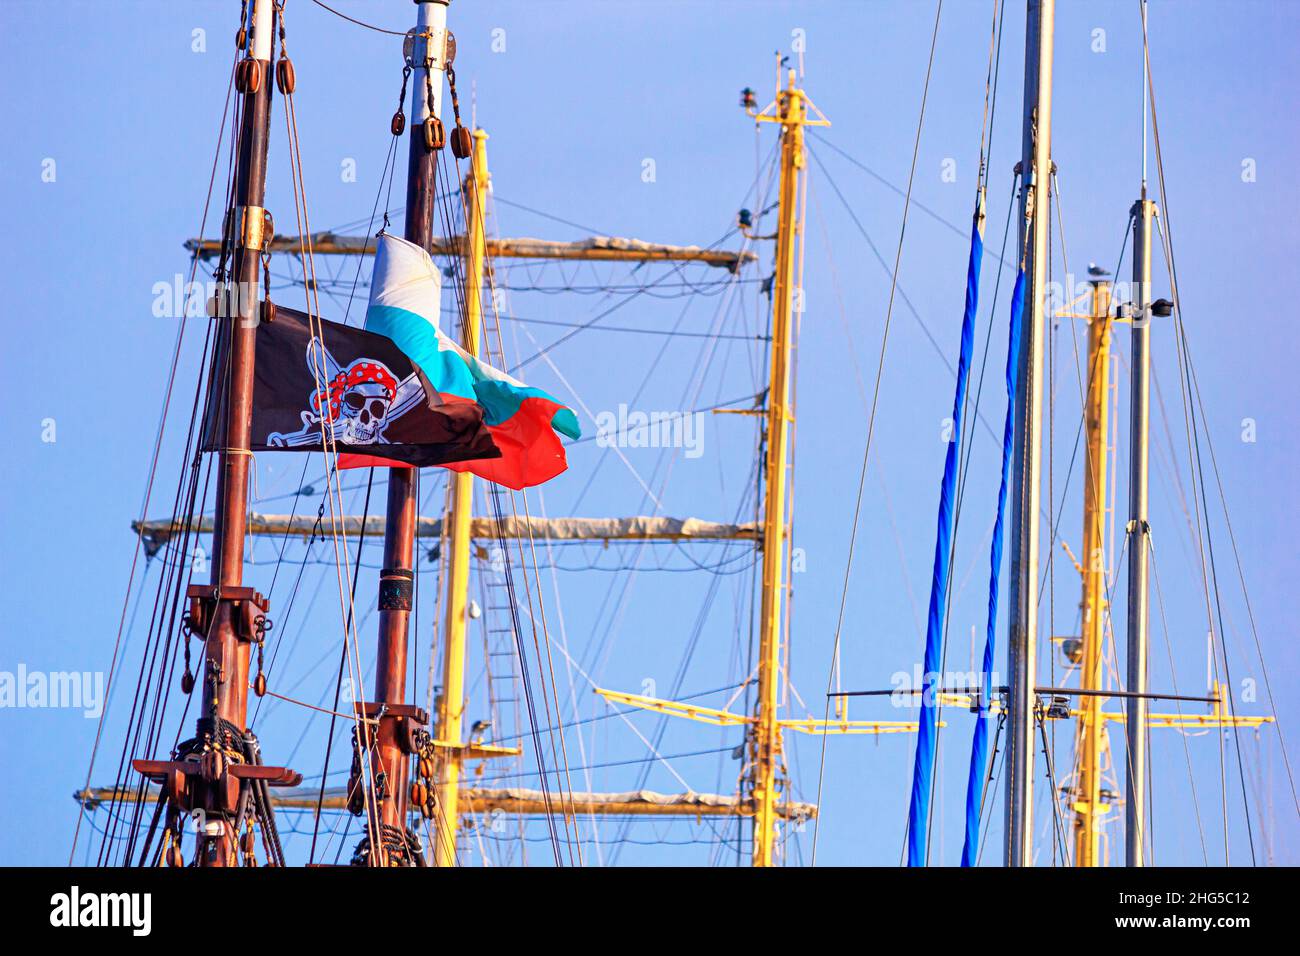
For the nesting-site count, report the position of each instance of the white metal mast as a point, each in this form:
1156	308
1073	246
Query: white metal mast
1036	165
1139	531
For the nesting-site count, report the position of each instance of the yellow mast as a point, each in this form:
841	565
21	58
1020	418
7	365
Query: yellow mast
451	706
765	742
1088	805
1091	739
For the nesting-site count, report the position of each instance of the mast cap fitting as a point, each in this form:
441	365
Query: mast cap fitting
419	51
251	227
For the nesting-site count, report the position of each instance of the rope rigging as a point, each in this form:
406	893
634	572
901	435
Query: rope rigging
875	401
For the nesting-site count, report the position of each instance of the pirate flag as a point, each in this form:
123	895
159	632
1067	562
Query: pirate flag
526	423
317	377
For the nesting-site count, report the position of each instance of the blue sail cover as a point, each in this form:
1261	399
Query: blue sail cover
923	770
979	754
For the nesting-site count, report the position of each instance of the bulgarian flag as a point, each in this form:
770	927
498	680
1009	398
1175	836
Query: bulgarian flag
525	423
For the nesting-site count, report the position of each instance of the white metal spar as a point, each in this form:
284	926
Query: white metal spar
1036	162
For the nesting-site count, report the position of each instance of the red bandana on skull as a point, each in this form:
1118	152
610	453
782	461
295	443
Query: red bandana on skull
359	372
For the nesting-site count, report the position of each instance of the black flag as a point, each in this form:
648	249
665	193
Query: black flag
375	402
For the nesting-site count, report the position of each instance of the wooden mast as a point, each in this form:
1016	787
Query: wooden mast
224	690
235	369
396	580
218	788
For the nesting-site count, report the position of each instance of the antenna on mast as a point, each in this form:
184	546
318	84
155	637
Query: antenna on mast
1146	100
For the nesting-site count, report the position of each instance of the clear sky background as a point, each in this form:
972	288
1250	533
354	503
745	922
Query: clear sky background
111	119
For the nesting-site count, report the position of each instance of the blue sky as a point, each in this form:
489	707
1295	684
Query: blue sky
104	171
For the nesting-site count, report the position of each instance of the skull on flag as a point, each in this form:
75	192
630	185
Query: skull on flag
355	403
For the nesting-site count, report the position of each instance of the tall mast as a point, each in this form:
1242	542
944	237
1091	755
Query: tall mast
396	580
1036	163
1135	741
226	786
766	738
228	606
1139	542
451	706
1087	802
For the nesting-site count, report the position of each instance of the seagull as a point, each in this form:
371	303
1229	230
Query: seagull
1097	271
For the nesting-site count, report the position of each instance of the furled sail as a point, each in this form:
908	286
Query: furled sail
918	817
979	754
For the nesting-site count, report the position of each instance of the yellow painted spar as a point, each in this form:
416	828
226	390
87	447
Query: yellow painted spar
451	706
726	718
791	111
1219	716
1092	725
